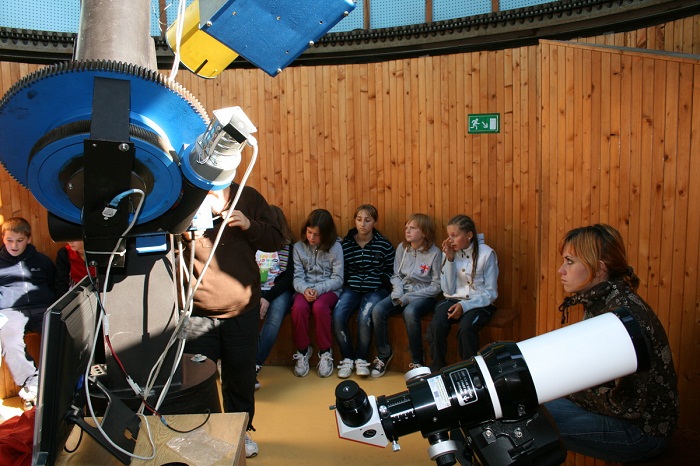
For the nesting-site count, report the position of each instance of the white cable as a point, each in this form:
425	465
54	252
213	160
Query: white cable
102	314
188	303
91	409
185	313
178	38
121	239
155	370
253	142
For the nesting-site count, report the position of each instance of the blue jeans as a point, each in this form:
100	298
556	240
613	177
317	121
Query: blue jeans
279	307
349	302
603	437
412	314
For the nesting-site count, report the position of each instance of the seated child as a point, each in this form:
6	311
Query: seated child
27	279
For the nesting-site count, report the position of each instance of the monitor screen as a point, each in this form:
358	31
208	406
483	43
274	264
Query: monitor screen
66	345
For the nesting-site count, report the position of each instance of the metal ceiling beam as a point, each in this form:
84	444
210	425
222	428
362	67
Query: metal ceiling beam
563	20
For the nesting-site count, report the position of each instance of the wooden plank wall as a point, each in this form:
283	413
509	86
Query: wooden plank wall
394	134
14	199
619	139
588	134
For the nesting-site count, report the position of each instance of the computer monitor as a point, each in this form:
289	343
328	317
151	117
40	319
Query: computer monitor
66	348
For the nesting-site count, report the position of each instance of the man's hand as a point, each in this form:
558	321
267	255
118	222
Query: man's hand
238	219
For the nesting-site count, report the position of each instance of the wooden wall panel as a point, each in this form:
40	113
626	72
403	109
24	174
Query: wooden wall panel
15	200
632	171
589	132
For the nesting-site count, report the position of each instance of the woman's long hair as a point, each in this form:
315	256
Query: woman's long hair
601	243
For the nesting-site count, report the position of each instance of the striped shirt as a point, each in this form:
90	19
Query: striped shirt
368	268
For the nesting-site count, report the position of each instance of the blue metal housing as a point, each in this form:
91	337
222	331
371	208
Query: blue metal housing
60	95
271	34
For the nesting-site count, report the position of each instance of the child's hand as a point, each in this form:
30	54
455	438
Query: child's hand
455	311
310	294
264	306
448	250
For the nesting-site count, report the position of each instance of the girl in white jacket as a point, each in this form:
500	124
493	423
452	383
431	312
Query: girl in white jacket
469	277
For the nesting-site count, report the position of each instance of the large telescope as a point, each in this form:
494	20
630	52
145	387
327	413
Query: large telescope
495	397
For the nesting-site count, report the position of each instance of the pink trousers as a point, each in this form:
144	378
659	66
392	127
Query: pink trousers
321	309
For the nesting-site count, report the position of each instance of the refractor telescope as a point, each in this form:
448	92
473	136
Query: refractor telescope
490	405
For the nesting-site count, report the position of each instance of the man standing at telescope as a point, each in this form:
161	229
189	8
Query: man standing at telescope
226	311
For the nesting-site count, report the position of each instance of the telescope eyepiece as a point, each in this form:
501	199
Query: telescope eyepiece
352	404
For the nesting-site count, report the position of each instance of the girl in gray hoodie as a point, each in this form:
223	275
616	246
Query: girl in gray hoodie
415	287
318	280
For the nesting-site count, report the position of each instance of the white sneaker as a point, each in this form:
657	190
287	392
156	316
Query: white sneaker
301	368
361	367
28	395
325	363
251	447
345	368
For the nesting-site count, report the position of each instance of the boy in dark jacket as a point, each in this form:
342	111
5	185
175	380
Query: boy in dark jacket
27	280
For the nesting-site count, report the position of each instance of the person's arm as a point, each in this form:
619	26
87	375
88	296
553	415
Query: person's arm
396	281
256	219
388	265
625	397
448	275
299	282
483	296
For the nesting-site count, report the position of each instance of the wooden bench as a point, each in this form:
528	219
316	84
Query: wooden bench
8	389
501	328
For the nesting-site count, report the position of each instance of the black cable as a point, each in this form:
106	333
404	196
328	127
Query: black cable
80	439
165	423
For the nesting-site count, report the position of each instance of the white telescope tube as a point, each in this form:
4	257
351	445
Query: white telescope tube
573	358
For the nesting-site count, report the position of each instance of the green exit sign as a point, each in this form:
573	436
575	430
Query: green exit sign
484	123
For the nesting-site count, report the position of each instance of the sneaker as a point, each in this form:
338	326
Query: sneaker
251	447
379	365
361	367
301	368
325	363
257	371
345	368
28	395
